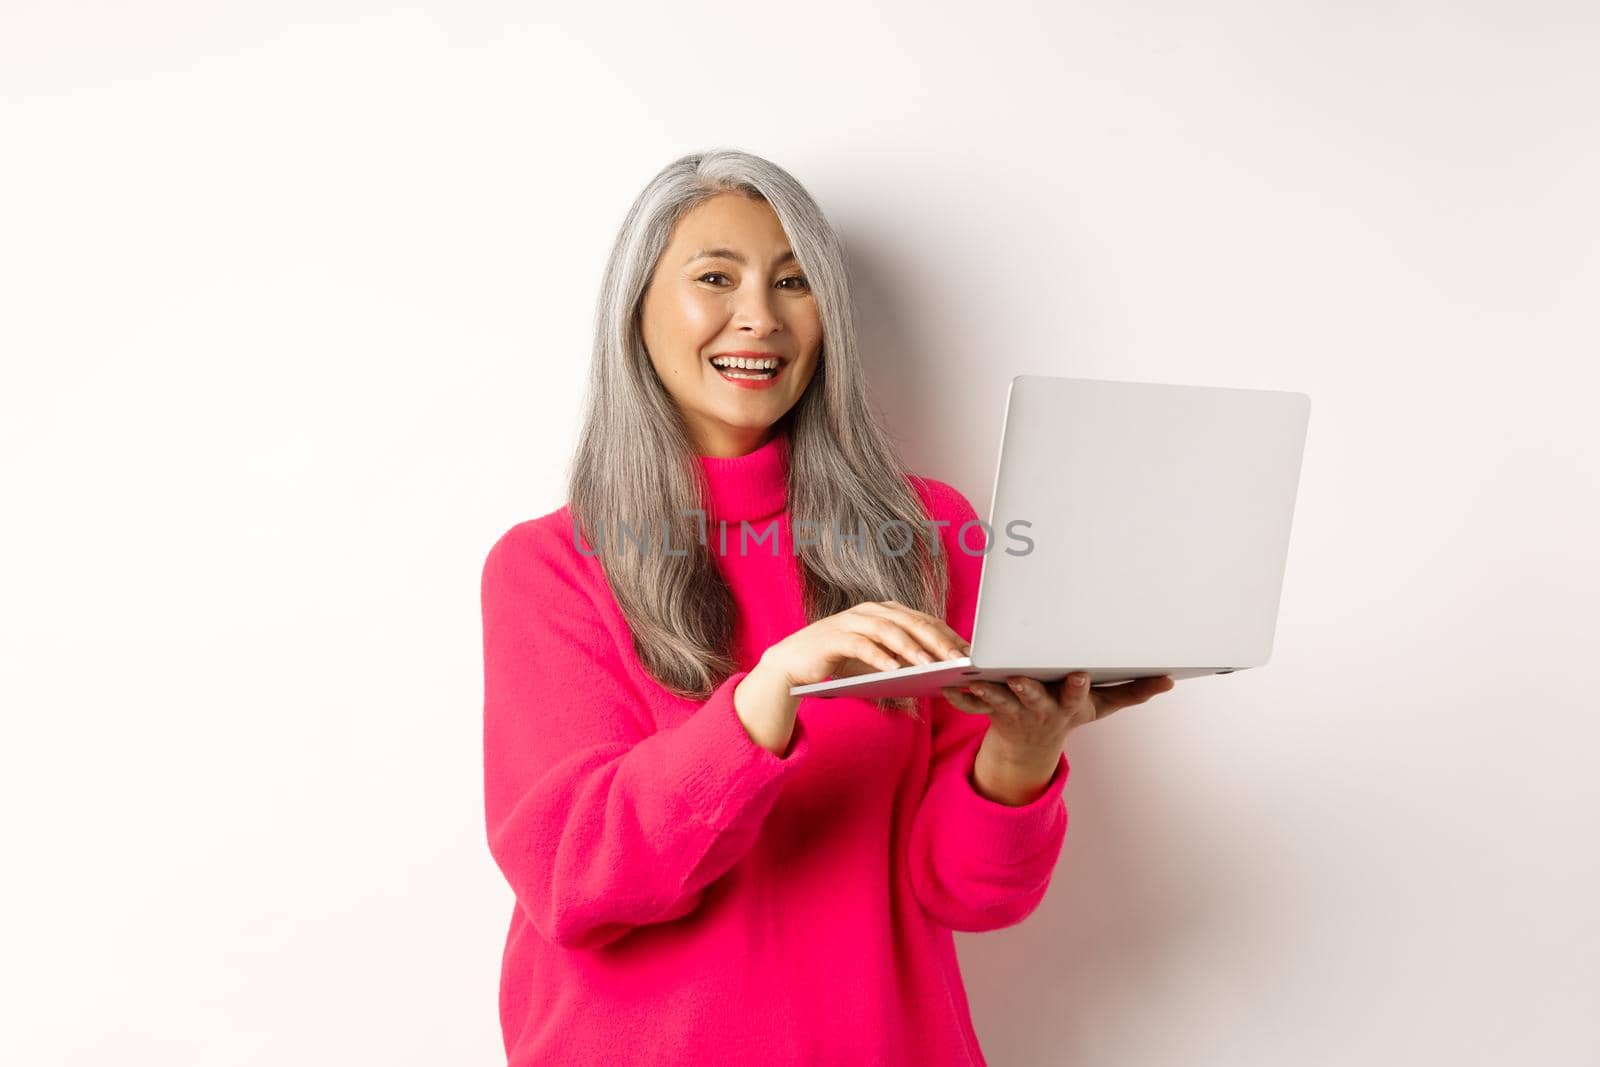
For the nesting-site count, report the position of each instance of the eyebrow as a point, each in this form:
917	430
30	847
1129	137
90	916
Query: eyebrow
728	253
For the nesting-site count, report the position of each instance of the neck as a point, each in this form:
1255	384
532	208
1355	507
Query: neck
729	442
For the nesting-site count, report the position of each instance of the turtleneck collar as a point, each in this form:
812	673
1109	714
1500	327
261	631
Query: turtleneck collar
752	486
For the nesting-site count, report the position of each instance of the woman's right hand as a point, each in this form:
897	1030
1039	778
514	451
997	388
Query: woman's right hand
875	635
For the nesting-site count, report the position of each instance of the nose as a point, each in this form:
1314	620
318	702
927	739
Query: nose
756	312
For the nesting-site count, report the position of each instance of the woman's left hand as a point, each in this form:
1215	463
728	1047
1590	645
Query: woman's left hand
1030	719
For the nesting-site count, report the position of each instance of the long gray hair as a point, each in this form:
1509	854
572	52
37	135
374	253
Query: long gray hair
636	462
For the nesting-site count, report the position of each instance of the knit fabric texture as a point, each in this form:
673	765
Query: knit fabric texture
685	896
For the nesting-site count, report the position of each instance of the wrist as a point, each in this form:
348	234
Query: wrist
1010	775
766	709
766	677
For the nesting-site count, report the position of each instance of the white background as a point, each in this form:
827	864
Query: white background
295	311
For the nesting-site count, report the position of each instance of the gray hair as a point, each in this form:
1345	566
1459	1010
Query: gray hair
636	462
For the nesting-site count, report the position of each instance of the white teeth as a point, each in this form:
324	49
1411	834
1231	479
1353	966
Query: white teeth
745	364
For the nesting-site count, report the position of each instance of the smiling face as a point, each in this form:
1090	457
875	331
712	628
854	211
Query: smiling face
728	283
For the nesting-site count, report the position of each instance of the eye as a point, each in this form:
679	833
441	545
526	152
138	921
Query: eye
792	278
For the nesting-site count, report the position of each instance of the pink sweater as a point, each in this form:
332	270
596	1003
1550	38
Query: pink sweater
683	895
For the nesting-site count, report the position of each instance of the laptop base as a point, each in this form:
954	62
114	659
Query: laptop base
927	679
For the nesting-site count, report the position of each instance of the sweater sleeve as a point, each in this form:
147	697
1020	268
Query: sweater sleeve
976	864
599	822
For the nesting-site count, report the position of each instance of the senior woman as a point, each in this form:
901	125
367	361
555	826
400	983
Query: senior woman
706	869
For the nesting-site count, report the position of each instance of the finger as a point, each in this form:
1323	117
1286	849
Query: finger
886	632
964	701
1032	694
997	697
867	650
1125	696
1135	692
934	633
1073	691
1078	698
851	667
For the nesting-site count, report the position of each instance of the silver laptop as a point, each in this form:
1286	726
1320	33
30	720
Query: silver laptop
1136	529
